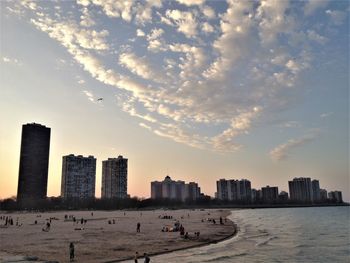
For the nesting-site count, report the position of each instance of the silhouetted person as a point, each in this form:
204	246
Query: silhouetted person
71	251
136	257
147	259
138	227
221	222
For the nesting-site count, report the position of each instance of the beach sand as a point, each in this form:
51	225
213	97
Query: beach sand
99	241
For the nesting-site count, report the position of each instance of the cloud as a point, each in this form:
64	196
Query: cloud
13	61
326	115
185	21
191	2
139	66
312	5
91	97
86	19
206	93
239	125
282	151
207	28
312	35
126	9
208	12
145	126
336	16
140	33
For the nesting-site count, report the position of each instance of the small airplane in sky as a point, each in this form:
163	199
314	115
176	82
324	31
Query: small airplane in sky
100	99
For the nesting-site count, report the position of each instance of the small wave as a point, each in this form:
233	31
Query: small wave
260	235
264	242
219	259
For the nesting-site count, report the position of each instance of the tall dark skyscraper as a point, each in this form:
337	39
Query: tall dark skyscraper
34	162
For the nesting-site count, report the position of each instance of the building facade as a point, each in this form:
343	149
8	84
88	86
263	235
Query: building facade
234	190
175	190
192	191
269	194
300	190
316	190
335	196
115	178
323	195
34	162
78	177
283	196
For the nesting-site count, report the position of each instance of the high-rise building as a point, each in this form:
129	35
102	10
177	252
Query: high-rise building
156	190
115	178
78	177
234	190
245	190
316	190
270	194
192	191
222	189
34	162
323	195
335	196
175	190
283	196
300	189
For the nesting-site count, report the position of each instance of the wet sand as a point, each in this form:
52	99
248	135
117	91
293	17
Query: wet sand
99	241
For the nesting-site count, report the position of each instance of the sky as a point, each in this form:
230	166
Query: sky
200	90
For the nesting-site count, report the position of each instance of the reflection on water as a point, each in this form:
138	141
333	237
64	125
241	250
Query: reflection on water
278	235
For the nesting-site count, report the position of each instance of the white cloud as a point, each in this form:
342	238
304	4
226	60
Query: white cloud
90	96
282	151
191	2
208	12
337	17
229	83
86	19
239	125
14	61
145	126
312	35
140	33
312	5
206	27
155	43
326	115
139	66
185	21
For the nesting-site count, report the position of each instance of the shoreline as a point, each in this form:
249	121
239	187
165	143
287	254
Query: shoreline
100	241
231	235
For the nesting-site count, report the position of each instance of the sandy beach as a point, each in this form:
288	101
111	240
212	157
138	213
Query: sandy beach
108	236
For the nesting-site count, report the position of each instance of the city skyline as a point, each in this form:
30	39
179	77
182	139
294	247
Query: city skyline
201	90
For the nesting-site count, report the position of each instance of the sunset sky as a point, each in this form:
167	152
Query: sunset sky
199	90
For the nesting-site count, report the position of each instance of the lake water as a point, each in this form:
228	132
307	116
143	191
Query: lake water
318	234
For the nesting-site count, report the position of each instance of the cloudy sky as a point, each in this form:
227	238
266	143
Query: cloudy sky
198	89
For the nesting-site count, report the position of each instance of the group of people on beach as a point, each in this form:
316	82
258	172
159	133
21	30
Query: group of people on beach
8	220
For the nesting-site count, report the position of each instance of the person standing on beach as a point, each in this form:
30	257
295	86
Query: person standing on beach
147	259
138	227
136	257
71	251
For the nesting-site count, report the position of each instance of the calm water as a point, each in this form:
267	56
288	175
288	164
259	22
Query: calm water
279	235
